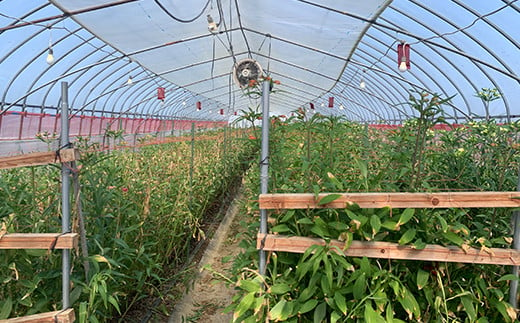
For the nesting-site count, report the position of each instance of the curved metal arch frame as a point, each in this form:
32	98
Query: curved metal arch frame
479	43
423	85
342	82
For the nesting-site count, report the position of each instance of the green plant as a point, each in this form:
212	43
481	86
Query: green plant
321	285
488	95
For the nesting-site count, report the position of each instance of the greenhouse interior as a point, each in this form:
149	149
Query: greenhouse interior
259	161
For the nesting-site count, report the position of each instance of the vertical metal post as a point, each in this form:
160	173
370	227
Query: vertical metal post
225	143
264	167
65	194
192	160
513	291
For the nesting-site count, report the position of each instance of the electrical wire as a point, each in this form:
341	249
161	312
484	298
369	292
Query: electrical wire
185	21
467	26
242	28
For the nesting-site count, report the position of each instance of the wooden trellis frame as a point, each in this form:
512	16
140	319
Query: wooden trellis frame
40	158
65	316
386	250
49	241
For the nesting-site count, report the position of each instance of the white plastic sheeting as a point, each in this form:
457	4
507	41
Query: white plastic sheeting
188	55
316	49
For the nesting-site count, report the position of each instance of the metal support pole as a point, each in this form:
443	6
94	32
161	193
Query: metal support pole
264	167
192	162
65	194
513	291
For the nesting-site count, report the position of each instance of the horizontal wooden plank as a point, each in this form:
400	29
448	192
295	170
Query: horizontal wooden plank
39	241
40	158
65	316
393	200
388	250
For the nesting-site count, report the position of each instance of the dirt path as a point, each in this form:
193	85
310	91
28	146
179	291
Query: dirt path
209	296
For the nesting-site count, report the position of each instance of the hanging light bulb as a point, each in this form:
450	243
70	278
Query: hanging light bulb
50	56
130	81
402	66
183	102
341	106
50	53
212	25
403	56
362	83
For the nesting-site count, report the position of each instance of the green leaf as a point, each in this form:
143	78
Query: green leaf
444	223
347	237
422	278
280	228
329	198
250	286
83	314
419	244
453	237
277	312
508	277
407	236
372	316
341	302
359	287
305	221
320	312
6	308
375	223
307	293
469	307
410	305
113	301
320	228
362	167
508	313
280	289
406	216
288	215
335	316
390	225
245	304
389	313
308	306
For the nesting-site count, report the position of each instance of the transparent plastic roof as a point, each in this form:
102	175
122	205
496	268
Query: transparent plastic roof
316	49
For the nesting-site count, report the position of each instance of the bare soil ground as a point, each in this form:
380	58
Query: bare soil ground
209	294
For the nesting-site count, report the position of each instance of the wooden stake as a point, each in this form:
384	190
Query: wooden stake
65	316
393	200
42	158
387	250
39	241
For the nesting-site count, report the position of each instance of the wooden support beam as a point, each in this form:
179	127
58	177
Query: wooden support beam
387	250
65	316
42	158
39	241
393	200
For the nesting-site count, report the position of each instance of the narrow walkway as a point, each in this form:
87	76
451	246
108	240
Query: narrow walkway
209	296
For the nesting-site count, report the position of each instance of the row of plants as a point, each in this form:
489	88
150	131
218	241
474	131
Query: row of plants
316	153
143	210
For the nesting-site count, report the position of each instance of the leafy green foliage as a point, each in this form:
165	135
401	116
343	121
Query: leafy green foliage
320	154
141	214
